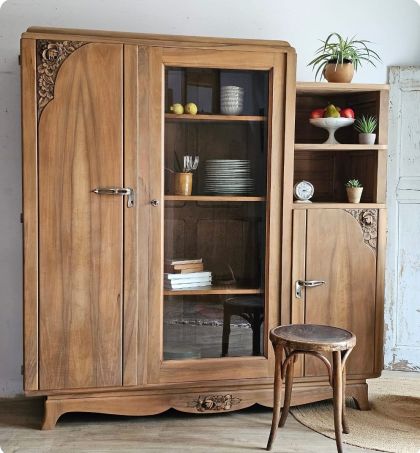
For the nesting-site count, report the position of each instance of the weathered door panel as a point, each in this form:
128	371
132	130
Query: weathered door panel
81	233
402	312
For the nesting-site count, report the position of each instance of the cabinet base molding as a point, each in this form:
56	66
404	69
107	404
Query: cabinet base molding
208	401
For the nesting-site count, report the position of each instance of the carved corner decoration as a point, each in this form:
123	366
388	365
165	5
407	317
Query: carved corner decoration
50	56
368	220
215	403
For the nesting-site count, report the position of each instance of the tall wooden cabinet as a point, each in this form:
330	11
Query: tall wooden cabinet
104	331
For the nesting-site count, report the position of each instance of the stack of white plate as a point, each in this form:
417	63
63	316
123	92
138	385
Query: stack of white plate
228	177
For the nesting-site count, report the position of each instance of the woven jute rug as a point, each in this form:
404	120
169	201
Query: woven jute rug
392	424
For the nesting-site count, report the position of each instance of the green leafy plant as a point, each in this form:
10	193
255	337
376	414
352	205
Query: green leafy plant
366	124
338	50
353	183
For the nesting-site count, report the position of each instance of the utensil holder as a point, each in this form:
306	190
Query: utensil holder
183	183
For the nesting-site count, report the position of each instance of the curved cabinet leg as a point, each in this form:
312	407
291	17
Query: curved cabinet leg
346	429
277	396
287	393
52	412
360	396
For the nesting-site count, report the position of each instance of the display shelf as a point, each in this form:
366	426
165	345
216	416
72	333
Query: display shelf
213	118
339	147
326	205
213	290
337	88
213	198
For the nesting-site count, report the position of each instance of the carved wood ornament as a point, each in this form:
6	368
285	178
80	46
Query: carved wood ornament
368	221
215	403
50	56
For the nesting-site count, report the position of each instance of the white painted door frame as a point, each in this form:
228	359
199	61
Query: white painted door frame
402	293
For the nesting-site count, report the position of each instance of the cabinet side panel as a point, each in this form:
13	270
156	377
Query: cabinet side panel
30	214
337	252
81	233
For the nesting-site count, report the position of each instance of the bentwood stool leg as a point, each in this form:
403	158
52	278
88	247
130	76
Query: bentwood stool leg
288	391
346	429
278	351
338	398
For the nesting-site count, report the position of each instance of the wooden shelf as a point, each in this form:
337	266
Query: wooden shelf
210	118
338	147
325	205
213	198
338	88
215	289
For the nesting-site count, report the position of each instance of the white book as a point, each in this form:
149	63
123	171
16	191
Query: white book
187	285
190	276
185	280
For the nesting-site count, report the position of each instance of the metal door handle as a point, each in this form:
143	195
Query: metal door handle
122	191
306	283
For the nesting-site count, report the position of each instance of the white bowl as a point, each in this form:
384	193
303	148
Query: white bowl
331	125
231	109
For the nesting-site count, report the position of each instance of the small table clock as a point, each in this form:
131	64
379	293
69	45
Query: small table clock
303	191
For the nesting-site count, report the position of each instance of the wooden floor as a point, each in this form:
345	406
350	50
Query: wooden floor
244	431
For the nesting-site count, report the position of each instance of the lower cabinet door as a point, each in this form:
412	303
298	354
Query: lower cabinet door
338	246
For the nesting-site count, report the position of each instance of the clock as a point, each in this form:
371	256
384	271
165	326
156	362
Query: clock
303	191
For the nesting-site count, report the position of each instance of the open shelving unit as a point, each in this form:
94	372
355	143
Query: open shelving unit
329	166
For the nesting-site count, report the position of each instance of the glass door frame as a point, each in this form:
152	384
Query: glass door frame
222	368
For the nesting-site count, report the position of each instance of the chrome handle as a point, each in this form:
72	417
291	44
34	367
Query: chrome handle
155	203
306	283
122	191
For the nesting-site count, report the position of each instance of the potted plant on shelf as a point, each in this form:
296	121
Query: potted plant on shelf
354	190
338	58
366	126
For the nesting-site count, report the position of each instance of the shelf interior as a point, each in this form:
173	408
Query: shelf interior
214	118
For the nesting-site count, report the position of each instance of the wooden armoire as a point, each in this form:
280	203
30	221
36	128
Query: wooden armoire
104	330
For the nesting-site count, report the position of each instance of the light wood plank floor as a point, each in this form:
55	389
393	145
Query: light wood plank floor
244	431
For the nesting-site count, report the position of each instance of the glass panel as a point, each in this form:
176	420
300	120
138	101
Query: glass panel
215	213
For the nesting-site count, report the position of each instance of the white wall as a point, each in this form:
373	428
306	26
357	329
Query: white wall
393	24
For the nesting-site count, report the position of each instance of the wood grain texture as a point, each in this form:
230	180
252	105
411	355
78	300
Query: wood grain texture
215	118
337	253
144	187
130	301
81	233
329	88
155	39
30	217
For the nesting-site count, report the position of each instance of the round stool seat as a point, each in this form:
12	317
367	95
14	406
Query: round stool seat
246	302
313	337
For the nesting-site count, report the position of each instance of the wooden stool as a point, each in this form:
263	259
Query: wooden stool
249	308
314	340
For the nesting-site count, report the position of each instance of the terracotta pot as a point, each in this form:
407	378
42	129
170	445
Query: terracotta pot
183	183
341	73
367	139
354	194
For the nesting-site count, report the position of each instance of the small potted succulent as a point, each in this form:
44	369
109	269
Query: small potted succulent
338	58
354	190
366	126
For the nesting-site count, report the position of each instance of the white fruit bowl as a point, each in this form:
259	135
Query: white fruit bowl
331	125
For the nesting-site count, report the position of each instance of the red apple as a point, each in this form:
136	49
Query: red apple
347	113
317	113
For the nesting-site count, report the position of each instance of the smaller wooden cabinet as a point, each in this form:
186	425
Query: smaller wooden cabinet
334	241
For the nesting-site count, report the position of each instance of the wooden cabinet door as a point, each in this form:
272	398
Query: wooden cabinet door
80	137
338	246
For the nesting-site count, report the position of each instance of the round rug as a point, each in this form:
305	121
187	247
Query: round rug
392	424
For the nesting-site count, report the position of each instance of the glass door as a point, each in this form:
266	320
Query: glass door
216	183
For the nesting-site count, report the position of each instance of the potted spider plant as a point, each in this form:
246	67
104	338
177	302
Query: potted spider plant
338	58
354	190
366	126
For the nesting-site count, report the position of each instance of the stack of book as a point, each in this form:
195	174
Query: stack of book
186	274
